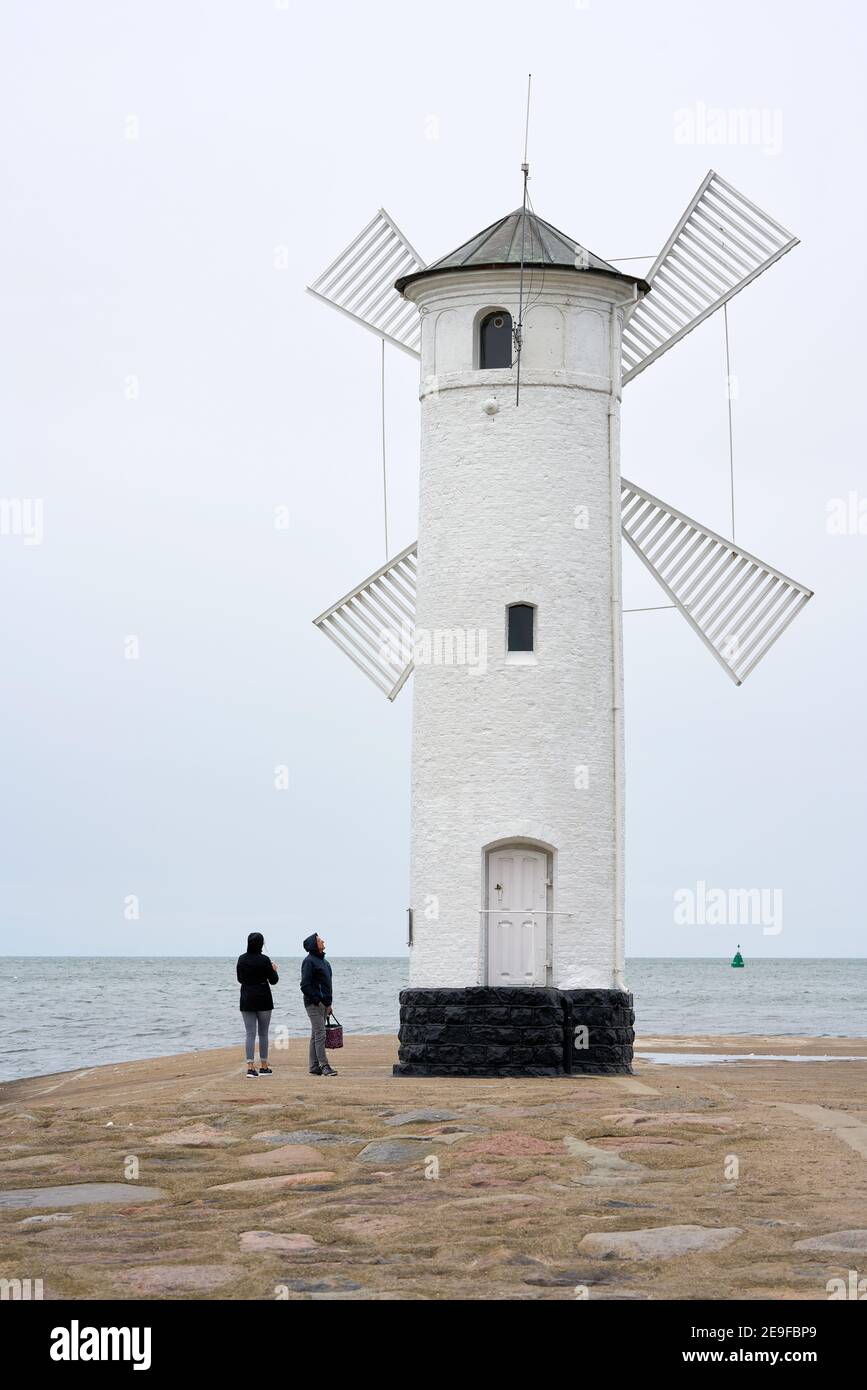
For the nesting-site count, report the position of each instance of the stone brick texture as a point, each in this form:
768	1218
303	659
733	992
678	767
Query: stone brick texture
514	1031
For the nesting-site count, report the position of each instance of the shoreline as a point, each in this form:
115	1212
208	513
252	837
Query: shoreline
730	1044
148	1013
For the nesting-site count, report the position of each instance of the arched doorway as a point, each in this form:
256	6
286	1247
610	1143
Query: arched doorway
518	906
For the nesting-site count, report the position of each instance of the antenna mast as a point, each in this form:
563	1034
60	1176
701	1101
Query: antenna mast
518	331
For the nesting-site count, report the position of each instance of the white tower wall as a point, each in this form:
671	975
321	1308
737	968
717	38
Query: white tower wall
505	749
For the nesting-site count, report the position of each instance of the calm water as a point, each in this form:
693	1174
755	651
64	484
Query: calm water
67	1012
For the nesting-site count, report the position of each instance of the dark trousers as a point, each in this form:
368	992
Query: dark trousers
316	1055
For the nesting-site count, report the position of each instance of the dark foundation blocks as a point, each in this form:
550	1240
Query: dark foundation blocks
601	1033
515	1031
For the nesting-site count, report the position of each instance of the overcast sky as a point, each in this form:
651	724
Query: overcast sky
173	175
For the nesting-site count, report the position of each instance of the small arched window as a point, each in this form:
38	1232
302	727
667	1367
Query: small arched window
495	340
520	627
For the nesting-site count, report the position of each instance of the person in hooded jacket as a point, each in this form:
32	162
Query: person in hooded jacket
316	989
256	974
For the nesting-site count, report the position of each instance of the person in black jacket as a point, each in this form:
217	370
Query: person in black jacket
256	974
316	989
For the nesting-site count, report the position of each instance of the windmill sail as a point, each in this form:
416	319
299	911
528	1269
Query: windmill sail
360	283
736	603
721	243
374	624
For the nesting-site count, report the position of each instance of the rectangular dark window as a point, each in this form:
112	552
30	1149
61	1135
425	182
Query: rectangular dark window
520	627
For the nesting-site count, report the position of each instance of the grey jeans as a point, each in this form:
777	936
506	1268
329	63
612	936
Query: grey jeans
316	1055
262	1019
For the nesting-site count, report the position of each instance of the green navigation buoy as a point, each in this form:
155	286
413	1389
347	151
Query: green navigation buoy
738	961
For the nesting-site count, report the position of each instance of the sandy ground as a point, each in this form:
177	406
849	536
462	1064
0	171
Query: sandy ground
513	1190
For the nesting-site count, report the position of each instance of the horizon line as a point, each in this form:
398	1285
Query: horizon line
155	955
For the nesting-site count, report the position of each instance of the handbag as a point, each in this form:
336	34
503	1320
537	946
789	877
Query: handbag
333	1034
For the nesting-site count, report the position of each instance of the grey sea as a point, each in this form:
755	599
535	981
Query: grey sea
68	1011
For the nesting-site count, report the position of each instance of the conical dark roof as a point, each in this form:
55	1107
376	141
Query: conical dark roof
501	245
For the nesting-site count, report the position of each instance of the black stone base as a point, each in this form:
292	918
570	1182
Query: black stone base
600	1031
493	1031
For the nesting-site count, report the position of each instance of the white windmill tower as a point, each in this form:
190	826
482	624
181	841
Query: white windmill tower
509	611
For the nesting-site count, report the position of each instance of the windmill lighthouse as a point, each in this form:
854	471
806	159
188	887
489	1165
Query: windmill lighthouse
508	611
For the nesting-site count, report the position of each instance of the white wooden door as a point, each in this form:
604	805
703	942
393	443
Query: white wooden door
517	916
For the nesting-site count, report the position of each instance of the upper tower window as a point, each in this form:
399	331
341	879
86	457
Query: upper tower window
495	340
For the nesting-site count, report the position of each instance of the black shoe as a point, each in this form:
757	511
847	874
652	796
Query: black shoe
328	1071
251	1071
315	1071
265	1070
